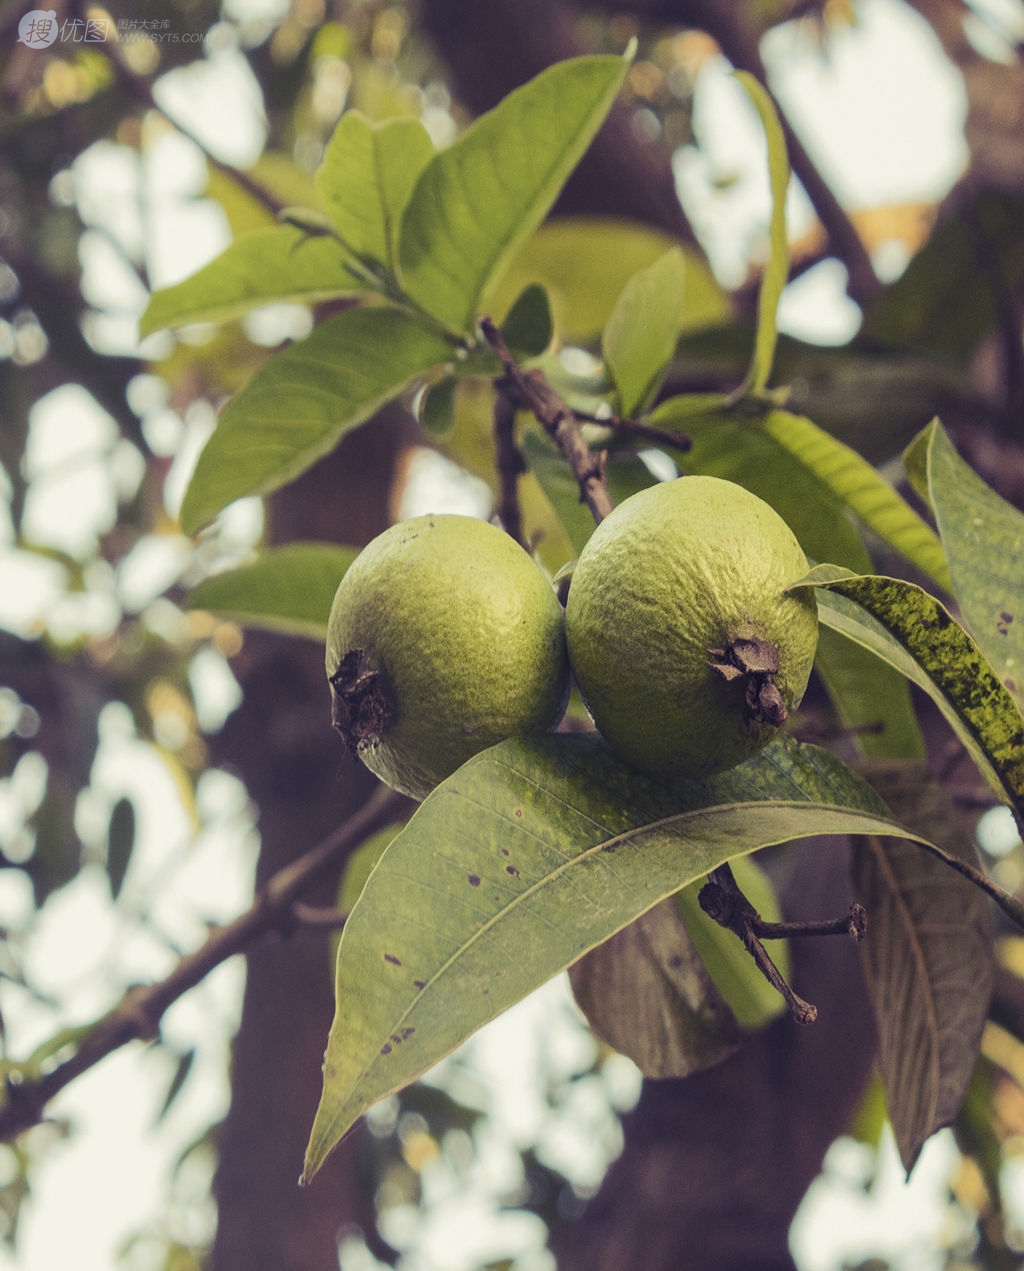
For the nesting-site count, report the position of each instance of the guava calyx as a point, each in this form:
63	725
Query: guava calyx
756	662
360	702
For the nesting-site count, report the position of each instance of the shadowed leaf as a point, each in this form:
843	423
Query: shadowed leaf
120	844
647	994
928	959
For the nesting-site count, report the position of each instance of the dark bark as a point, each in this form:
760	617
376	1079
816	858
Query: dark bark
281	744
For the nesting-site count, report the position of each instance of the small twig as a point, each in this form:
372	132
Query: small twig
318	917
510	465
723	901
558	420
642	432
138	1014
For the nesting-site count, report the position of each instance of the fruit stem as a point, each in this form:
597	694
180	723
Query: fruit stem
722	900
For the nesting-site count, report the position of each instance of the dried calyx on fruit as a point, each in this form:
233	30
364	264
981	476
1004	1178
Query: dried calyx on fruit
686	646
444	638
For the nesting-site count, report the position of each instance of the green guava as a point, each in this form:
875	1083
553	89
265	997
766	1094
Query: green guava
444	637
685	646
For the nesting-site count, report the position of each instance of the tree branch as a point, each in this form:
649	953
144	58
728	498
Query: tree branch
138	1014
558	420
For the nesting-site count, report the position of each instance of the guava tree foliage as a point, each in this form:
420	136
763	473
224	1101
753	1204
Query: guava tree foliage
442	288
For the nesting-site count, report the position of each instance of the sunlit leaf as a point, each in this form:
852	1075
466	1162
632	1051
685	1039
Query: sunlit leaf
478	201
299	404
583	262
521	862
928	958
287	589
984	540
863	489
265	267
366	178
776	271
641	334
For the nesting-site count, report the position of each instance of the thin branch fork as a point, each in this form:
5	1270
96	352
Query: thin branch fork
137	1016
558	420
722	900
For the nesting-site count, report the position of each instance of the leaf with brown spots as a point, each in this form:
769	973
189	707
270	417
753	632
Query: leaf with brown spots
984	540
596	847
908	628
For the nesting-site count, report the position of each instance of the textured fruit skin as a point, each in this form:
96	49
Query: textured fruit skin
675	573
469	639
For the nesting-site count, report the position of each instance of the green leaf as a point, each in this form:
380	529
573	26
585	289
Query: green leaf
646	993
912	631
528	326
863	489
287	589
641	334
733	971
583	262
928	958
299	404
477	202
435	406
264	267
984	540
366	179
520	863
777	270
871	698
177	1083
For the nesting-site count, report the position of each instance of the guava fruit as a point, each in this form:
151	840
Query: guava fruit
686	649
444	637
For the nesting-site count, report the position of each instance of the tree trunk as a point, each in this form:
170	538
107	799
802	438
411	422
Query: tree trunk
281	744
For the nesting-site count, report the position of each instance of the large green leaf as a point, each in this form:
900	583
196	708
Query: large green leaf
478	201
366	179
641	334
299	404
928	959
269	265
984	540
777	269
863	489
287	589
522	861
908	628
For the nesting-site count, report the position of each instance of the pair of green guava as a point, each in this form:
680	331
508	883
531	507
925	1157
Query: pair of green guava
446	637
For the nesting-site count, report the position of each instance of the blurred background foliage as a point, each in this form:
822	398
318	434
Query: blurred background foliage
113	184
